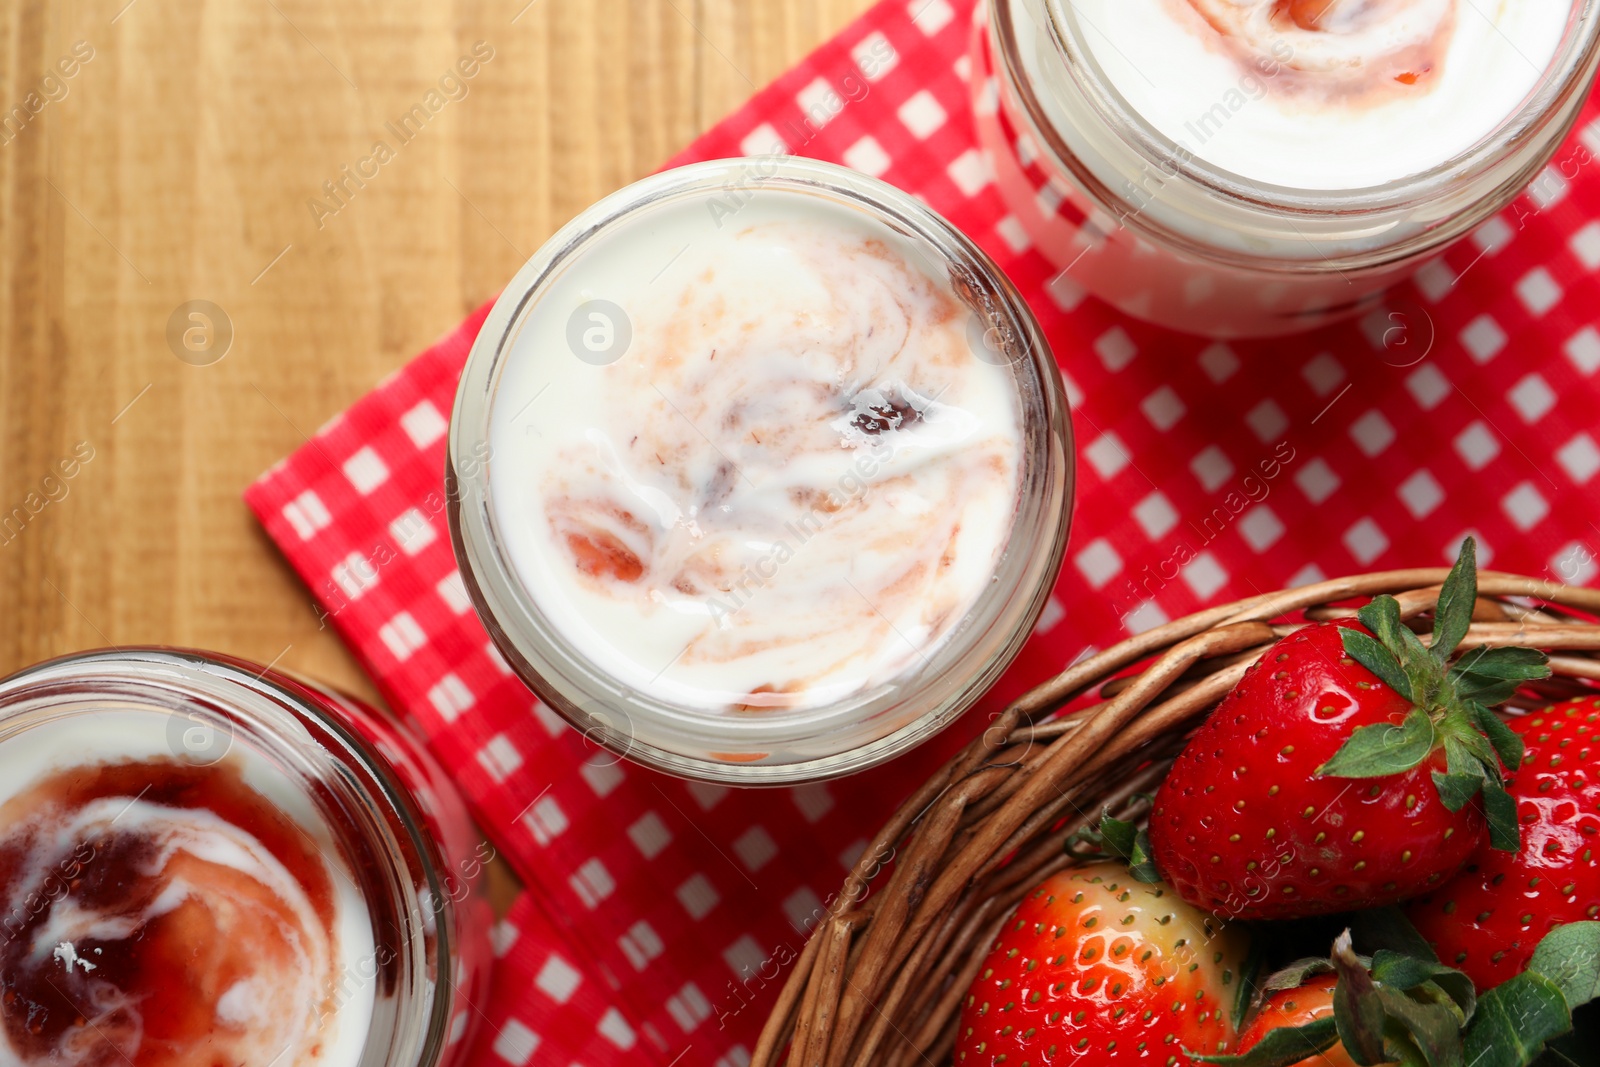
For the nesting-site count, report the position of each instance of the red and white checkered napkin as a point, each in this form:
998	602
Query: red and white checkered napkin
661	917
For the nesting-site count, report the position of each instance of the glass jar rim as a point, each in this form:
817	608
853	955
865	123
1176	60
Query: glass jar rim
279	715
1560	80
515	622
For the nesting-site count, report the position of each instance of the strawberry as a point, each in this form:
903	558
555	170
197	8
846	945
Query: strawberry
1295	1008
1488	919
1343	768
1096	967
1246	824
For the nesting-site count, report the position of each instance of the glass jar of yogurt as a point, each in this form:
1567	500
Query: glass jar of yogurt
203	861
1248	168
759	472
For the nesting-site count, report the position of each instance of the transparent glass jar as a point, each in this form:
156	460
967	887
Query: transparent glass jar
777	746
405	845
1136	219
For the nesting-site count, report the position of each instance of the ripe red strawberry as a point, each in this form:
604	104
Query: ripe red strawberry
1296	1007
1098	967
1488	920
1246	826
1342	769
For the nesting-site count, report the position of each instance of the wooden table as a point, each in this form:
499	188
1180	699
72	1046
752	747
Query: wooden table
180	160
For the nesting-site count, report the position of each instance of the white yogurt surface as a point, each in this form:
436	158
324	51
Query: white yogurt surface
277	1010
790	487
1356	93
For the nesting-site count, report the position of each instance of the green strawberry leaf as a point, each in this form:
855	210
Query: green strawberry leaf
1370	653
1084	836
1500	811
1382	616
1382	749
1132	844
1492	675
1488	691
1569	956
1398	1007
1466	773
1520	664
1451	703
1296	974
1476	746
1357	1010
1457	790
1402	1050
1412	1010
1400	971
1434	1028
1457	598
1508	745
1379	614
1474	765
1433	993
1283	1047
1422	671
1388	928
1514	1020
1244	997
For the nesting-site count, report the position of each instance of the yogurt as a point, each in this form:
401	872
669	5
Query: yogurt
743	454
1323	94
157	913
1256	168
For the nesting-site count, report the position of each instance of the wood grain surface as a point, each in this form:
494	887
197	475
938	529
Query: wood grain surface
158	152
179	163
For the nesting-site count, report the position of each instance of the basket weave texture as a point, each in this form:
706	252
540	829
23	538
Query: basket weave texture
882	976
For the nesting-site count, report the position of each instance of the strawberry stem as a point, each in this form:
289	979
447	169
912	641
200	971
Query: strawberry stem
1450	702
1131	844
1356	1007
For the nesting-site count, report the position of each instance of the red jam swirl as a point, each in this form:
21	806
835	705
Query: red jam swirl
161	915
1340	48
873	374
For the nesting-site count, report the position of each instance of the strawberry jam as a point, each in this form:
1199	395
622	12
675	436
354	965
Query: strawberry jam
161	914
1357	50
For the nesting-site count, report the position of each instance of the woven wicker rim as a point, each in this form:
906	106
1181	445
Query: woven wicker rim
881	979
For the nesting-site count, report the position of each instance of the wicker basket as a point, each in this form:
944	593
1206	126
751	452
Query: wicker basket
882	977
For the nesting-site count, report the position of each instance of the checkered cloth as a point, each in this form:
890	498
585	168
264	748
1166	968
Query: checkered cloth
661	917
